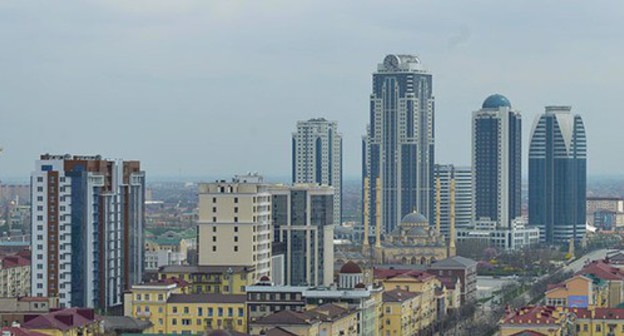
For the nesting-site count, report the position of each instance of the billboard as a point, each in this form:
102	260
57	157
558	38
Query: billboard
577	301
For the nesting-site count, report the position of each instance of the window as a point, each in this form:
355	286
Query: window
235	248
214	249
214	219
199	322
214	228
210	311
214	209
214	238
235	199
235	239
147	297
219	312
598	328
235	209
214	200
174	321
160	321
161	297
186	310
39	179
186	322
200	311
235	219
236	229
175	309
240	312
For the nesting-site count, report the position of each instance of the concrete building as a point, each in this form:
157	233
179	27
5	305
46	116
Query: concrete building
458	268
235	224
303	219
463	196
487	233
558	175
87	229
398	149
317	158
595	204
15	274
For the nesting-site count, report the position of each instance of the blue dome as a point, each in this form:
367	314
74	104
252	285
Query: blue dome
495	101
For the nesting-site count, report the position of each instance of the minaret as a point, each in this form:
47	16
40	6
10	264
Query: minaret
438	205
452	249
378	221
365	245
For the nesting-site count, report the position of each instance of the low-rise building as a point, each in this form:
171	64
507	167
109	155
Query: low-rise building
463	269
14	309
539	320
518	236
211	279
15	275
401	313
579	291
284	322
66	322
172	310
613	276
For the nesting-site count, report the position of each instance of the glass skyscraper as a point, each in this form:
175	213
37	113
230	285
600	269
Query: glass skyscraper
398	150
496	161
557	175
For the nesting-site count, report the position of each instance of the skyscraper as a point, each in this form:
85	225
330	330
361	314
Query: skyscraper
463	195
557	175
496	161
234	224
317	158
398	149
302	217
87	229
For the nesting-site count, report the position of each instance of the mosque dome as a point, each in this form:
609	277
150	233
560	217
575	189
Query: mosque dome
495	101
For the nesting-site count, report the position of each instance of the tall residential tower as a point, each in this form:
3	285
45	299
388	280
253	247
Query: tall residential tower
557	175
87	229
496	162
398	149
317	158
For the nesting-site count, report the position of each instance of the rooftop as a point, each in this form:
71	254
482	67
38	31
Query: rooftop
532	315
203	269
496	101
207	298
61	319
398	295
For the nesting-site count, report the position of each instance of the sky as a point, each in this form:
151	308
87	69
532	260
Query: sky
214	88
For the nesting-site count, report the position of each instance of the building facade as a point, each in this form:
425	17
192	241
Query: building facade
496	161
87	229
463	195
235	224
398	149
303	219
558	175
317	158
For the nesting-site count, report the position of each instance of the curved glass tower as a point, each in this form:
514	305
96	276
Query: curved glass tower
557	175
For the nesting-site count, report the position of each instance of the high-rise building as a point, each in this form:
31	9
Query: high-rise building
302	217
317	158
557	175
398	150
235	224
87	229
496	162
463	195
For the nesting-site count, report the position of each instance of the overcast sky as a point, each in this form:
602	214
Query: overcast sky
212	88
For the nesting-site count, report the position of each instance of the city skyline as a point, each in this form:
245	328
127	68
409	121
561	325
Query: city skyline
145	73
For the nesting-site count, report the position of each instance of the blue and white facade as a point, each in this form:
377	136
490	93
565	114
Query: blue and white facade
463	196
558	175
87	229
317	158
398	149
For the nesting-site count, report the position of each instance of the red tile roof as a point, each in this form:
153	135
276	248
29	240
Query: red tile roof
602	270
599	313
61	319
398	295
528	333
15	261
532	315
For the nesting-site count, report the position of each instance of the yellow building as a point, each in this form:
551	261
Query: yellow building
578	291
171	310
329	319
66	322
336	320
414	281
211	279
539	320
551	321
400	313
612	276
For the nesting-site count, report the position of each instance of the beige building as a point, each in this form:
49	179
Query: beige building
594	204
235	224
15	275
